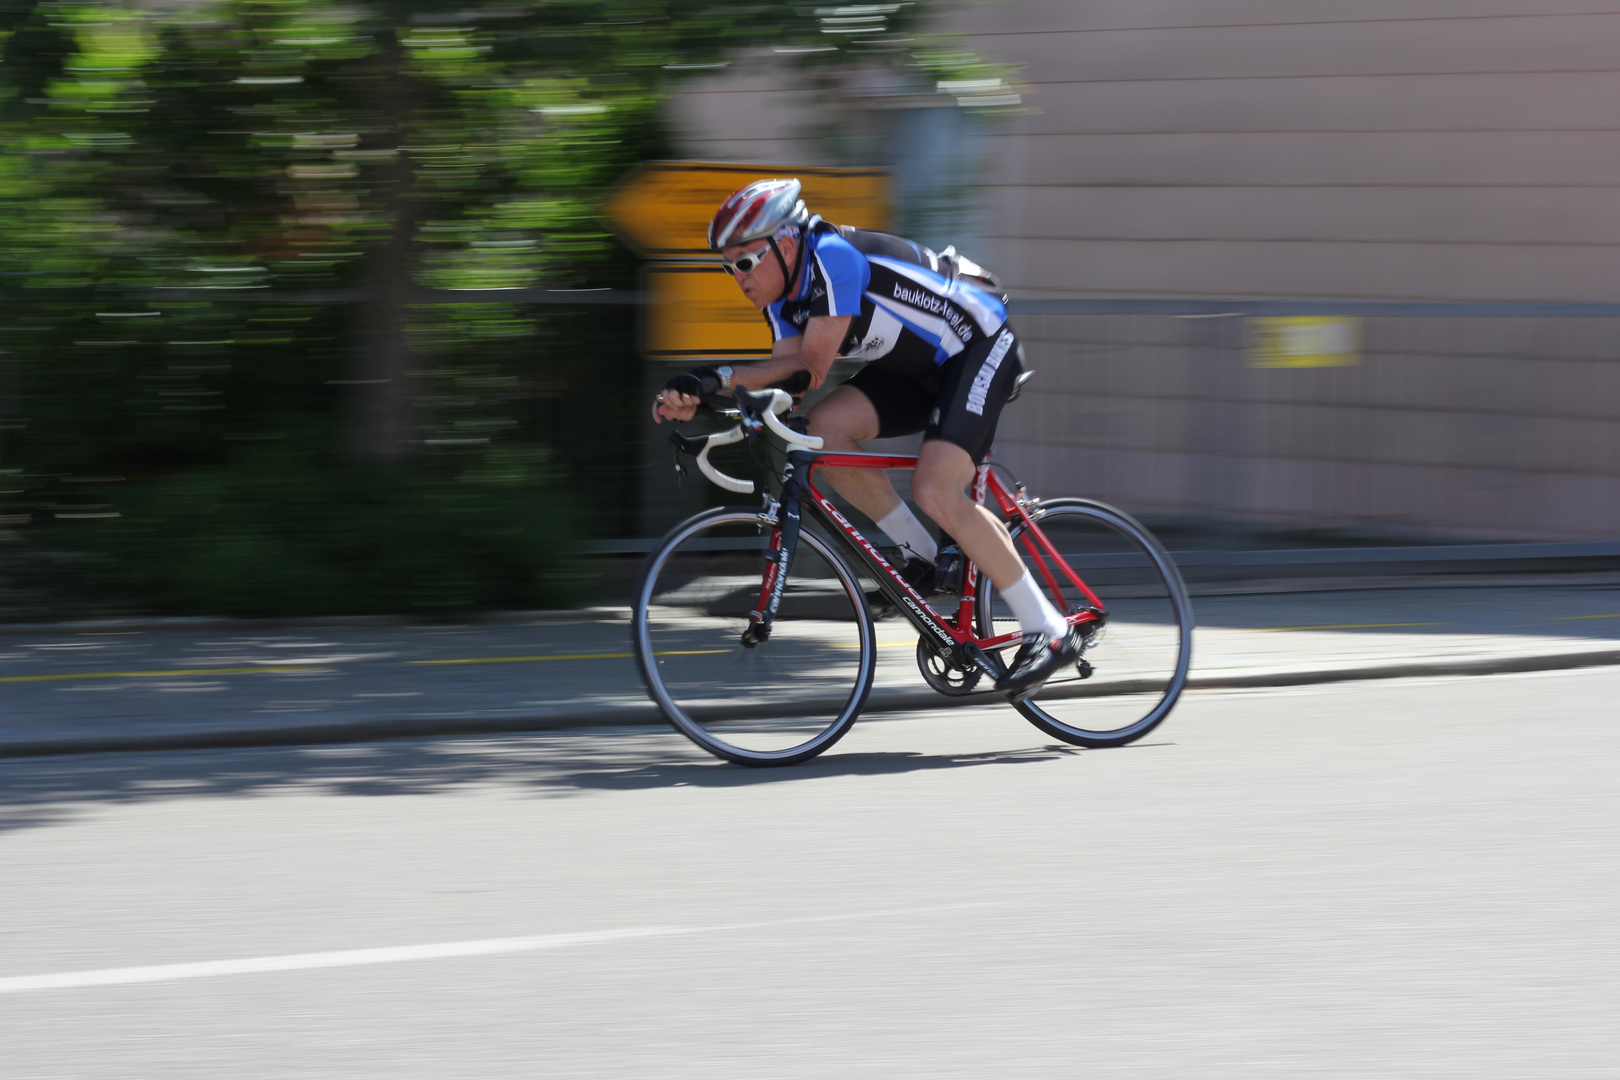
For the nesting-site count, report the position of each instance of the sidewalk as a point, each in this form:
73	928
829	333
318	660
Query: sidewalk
186	685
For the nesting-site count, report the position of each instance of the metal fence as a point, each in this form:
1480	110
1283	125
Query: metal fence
1452	421
1448	422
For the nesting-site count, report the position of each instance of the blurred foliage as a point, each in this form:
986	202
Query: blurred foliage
349	446
331	540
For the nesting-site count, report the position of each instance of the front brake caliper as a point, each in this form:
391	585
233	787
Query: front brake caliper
758	631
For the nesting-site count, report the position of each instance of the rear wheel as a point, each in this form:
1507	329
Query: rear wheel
1135	664
783	700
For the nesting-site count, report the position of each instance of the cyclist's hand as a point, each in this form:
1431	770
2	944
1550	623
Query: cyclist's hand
680	397
674	405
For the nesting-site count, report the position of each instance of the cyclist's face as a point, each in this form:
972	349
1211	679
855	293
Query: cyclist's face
763	284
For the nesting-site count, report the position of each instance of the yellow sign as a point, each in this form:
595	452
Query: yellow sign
696	312
1304	341
663	208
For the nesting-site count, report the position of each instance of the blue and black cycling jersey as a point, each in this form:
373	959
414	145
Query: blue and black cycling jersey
906	317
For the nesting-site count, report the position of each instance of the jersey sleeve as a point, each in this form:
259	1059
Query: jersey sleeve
844	272
780	327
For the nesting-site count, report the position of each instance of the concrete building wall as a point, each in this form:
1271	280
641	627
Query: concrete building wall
1421	149
1354	149
755	111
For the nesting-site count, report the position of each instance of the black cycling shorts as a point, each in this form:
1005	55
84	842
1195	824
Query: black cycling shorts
960	401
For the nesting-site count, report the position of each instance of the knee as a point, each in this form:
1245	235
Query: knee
939	499
818	423
833	429
824	421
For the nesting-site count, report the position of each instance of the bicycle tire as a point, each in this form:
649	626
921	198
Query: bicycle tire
1139	661
785	699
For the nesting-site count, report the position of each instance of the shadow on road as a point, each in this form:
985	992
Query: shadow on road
686	774
44	791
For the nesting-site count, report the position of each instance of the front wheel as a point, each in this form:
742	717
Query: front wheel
1135	665
782	700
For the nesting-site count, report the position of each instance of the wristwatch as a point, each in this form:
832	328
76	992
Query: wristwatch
724	371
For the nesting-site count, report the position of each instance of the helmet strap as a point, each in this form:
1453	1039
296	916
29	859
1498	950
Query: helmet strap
787	278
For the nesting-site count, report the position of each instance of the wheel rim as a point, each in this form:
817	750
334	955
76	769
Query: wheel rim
783	700
1140	657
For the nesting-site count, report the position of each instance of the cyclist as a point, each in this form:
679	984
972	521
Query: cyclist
940	358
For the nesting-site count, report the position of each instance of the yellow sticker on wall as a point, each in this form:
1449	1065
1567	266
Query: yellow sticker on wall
1304	341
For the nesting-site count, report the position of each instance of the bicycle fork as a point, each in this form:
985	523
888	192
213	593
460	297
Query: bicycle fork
785	520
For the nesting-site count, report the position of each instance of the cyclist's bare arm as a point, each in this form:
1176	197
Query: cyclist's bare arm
813	352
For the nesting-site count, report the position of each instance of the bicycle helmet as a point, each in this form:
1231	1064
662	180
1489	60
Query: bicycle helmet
755	212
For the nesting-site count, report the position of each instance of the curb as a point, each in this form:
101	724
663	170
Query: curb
646	715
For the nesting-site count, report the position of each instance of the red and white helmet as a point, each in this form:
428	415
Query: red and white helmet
756	212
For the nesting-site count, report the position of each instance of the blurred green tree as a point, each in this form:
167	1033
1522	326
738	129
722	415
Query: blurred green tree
168	168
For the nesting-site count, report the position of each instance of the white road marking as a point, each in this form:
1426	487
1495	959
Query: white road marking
402	953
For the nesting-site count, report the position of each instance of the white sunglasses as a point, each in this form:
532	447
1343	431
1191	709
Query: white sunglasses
746	262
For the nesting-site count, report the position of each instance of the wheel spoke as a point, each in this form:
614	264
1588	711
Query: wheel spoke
1138	659
781	700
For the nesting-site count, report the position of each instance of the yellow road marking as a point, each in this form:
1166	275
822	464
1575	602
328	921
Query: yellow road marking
670	652
880	645
305	669
529	659
569	656
159	674
1340	626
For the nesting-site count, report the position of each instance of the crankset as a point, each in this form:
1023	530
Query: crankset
944	673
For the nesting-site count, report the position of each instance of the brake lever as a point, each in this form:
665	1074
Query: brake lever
681	444
700	447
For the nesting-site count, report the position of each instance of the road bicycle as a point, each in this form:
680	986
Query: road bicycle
753	632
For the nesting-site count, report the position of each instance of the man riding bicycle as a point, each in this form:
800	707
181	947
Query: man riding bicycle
940	358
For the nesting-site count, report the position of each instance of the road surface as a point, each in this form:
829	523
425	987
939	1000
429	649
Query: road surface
1404	878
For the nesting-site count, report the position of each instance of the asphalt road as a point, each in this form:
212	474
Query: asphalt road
1410	878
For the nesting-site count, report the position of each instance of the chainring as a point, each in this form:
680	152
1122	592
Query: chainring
942	674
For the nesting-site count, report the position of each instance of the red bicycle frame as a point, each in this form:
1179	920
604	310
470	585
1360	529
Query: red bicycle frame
800	488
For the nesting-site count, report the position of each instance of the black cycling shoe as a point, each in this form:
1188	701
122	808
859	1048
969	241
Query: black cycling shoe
919	574
1039	658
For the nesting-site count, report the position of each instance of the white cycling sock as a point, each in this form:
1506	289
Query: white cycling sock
1035	613
902	526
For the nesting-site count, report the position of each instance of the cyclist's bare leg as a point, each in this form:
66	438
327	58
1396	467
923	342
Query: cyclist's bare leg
940	486
844	419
